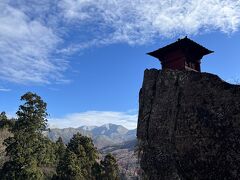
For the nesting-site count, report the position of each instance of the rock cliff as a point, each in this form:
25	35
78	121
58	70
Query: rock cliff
188	126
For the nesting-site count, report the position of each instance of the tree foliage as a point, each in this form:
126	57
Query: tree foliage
110	168
80	156
26	147
5	122
69	167
31	115
97	171
32	156
60	148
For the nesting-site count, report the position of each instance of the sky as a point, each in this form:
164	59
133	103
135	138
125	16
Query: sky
86	58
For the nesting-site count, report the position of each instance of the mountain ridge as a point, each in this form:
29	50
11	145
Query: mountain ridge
103	136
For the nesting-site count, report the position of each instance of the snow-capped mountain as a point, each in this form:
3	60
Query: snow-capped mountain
105	135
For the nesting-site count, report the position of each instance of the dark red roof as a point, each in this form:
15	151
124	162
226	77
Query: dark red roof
184	44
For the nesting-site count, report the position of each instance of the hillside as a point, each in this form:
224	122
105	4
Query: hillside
127	158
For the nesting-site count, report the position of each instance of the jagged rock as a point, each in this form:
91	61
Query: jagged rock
188	126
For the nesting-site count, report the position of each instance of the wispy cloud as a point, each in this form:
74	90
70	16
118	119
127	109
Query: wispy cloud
35	35
4	89
26	48
139	21
95	118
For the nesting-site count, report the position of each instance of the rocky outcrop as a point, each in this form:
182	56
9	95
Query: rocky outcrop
188	126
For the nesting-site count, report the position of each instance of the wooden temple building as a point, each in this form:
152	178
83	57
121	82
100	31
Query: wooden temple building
183	54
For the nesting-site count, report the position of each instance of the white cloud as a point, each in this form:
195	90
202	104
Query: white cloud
4	89
26	48
95	118
33	34
139	21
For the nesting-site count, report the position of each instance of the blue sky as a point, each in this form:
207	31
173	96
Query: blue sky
86	58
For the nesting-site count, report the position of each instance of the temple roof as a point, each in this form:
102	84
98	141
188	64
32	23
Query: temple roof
185	44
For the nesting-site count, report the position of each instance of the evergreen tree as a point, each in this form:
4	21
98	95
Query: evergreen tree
97	171
83	147
81	156
26	146
4	121
46	152
69	167
60	149
110	168
31	115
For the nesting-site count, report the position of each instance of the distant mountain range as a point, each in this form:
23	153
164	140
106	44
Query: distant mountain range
103	136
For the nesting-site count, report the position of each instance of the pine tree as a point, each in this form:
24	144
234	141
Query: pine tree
81	151
46	152
4	121
97	171
26	146
32	114
110	168
60	148
69	167
83	147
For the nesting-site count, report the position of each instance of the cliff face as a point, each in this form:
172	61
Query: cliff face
188	126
